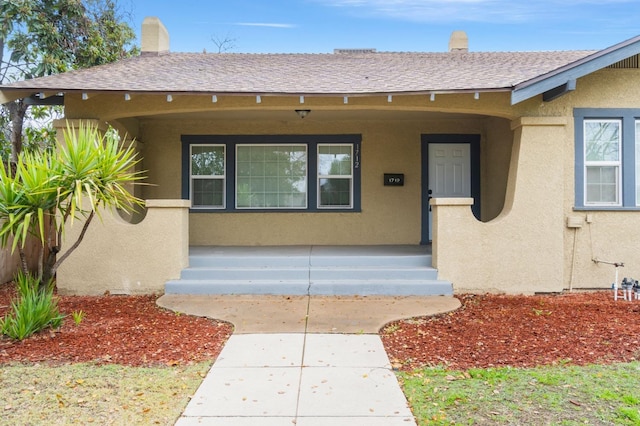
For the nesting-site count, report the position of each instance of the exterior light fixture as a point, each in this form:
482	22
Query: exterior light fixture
346	100
476	95
169	98
301	99
433	97
389	98
85	96
127	97
214	99
302	113
258	99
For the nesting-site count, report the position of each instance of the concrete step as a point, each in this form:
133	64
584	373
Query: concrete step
342	273
337	273
273	287
271	273
381	288
303	256
300	270
320	287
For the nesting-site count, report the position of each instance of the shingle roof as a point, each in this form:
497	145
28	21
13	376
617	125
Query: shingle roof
340	73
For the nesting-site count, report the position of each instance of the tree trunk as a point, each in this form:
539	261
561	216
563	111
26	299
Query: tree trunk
48	269
17	111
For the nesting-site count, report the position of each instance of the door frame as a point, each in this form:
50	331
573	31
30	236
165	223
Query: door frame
474	151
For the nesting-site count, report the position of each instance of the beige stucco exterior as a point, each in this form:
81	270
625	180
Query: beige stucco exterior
118	257
521	245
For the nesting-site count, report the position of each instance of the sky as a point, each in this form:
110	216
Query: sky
320	26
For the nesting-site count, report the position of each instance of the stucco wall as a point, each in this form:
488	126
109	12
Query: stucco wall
521	251
607	235
529	247
390	215
124	258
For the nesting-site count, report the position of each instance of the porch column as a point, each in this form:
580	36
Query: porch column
521	251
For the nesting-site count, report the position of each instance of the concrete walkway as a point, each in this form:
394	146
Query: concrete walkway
296	361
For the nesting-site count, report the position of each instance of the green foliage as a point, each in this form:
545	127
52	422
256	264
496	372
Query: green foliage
35	309
52	36
563	394
51	189
78	316
44	37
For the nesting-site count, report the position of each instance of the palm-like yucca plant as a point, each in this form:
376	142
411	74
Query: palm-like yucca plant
50	190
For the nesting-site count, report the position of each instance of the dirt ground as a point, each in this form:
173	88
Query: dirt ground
488	330
126	330
520	331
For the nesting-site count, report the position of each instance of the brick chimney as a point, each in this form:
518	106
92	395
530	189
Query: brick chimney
458	42
155	37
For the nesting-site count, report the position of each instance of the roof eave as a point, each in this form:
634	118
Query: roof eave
567	74
11	94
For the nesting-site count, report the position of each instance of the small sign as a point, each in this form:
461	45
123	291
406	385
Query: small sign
394	179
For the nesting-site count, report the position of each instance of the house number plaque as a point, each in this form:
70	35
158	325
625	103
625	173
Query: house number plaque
393	179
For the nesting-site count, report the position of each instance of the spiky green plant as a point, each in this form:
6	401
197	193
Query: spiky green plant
78	316
35	309
50	190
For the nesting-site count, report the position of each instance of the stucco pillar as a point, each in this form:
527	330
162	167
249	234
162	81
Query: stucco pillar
520	251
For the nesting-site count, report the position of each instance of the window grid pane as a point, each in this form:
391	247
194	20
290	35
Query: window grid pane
602	140
271	176
207	176
602	145
335	176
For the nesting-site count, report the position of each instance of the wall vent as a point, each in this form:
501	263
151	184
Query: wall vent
353	51
631	62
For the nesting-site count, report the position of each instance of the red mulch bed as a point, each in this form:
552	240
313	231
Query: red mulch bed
520	331
127	330
489	330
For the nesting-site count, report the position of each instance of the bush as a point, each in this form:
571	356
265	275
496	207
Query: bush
35	309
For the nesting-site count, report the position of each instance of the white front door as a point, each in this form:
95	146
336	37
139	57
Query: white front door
449	172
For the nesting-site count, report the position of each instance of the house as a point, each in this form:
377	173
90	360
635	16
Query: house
519	171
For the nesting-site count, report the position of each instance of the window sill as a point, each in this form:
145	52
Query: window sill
607	208
274	211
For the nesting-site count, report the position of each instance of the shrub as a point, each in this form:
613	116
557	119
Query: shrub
35	309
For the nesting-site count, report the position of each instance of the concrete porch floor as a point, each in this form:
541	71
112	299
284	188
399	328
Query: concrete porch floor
308	314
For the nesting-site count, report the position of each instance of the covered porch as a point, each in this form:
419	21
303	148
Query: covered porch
169	248
154	256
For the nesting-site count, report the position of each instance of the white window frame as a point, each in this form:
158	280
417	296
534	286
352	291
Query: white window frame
608	163
320	176
306	177
222	177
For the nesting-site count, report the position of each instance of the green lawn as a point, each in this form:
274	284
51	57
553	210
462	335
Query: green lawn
558	395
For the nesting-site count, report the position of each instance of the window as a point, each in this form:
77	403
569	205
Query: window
607	158
271	176
602	161
207	176
272	173
335	176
